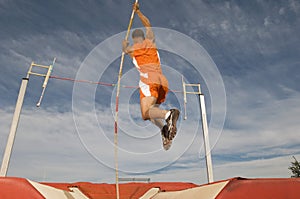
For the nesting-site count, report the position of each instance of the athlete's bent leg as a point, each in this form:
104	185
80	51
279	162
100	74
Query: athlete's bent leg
158	122
150	110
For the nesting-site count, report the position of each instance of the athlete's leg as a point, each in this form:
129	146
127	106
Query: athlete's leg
155	111
158	122
149	109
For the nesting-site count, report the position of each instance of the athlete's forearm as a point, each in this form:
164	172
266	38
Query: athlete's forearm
143	18
145	21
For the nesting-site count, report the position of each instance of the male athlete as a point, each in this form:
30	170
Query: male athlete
153	84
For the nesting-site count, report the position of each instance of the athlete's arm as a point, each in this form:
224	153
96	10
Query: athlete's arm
126	48
145	21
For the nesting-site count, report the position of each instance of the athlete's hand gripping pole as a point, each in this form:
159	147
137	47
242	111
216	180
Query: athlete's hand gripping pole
117	101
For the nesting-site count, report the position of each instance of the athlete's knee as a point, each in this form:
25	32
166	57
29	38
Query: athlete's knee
145	115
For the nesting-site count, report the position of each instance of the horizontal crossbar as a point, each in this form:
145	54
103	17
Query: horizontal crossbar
42	66
37	74
192	84
189	92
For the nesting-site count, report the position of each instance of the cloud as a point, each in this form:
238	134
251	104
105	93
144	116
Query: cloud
268	168
281	11
294	5
49	147
259	123
267	21
259	168
54	145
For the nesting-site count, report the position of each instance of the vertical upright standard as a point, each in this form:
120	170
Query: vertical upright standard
16	117
209	168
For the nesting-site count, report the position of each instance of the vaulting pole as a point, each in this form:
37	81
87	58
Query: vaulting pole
117	107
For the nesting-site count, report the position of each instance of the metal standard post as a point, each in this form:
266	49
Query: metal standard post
13	128
210	177
184	97
209	169
15	121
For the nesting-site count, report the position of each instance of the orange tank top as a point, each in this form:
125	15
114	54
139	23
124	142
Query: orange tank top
145	57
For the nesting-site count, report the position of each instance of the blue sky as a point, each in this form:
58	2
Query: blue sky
254	44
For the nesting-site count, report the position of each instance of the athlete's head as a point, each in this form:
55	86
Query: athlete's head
138	36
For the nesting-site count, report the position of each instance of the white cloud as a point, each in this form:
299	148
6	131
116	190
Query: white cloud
261	124
260	168
47	146
266	168
294	5
225	25
267	21
281	11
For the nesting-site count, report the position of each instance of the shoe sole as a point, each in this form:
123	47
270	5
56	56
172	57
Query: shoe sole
172	128
166	143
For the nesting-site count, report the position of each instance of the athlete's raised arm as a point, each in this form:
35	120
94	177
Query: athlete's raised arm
145	21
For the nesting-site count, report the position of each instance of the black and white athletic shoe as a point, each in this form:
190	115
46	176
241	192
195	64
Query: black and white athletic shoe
171	123
165	138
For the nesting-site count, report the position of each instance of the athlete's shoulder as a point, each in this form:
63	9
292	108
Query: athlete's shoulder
149	43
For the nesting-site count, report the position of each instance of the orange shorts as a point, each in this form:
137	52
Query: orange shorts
156	85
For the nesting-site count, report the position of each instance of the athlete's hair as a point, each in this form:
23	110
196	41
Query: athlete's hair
138	33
